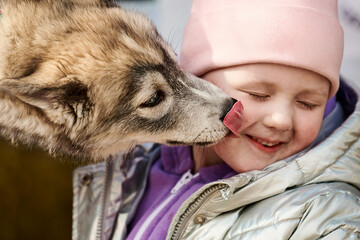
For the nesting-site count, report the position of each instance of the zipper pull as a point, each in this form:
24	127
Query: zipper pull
186	178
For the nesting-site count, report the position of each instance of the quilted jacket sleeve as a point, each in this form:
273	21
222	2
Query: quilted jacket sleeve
332	215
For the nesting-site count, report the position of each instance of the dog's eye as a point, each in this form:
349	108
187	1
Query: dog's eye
154	100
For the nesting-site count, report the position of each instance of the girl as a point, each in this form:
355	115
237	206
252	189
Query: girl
290	170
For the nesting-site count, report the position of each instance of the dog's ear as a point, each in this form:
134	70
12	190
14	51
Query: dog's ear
63	104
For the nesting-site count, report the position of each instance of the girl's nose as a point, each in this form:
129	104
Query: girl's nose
279	119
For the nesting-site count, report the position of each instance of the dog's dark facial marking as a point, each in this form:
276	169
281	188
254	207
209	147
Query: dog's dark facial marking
72	92
153	126
69	6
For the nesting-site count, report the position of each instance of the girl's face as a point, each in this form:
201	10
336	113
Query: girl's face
283	112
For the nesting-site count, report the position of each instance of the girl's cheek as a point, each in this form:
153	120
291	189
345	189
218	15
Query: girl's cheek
310	128
307	126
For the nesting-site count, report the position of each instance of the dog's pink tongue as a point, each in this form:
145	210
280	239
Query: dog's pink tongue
233	118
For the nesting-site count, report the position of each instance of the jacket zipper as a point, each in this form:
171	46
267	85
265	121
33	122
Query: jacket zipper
204	196
185	179
104	198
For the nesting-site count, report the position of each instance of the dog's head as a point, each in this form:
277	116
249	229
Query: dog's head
104	79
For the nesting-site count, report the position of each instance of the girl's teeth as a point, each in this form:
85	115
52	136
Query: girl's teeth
265	143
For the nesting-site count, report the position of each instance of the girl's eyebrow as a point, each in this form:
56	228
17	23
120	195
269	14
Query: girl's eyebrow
259	84
321	92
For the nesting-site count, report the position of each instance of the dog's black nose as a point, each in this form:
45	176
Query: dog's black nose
233	102
228	108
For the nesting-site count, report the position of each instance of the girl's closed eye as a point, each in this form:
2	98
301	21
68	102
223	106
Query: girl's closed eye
258	96
306	105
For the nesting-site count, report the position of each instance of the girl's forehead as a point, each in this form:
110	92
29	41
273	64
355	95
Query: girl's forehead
270	77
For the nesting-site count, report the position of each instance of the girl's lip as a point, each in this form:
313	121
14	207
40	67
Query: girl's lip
263	148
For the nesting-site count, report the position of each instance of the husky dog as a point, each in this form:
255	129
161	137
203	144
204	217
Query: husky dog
85	78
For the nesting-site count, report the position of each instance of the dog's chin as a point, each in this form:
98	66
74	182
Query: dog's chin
196	143
179	143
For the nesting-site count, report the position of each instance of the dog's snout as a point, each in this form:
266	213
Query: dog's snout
228	108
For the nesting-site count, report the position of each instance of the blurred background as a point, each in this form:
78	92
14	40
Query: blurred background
36	189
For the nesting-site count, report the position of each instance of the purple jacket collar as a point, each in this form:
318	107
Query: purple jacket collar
177	160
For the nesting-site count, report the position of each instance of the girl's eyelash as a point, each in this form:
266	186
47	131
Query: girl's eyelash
258	97
307	105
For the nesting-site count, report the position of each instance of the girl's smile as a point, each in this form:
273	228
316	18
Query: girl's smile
267	146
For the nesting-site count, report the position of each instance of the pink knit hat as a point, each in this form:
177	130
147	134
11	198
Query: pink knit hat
299	33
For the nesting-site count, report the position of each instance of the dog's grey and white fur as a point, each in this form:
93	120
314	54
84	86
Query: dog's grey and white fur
86	78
